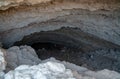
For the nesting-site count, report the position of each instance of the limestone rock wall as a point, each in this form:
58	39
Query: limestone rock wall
19	18
14	25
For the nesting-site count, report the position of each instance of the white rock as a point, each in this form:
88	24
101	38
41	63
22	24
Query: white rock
55	67
84	73
2	75
2	60
49	70
2	63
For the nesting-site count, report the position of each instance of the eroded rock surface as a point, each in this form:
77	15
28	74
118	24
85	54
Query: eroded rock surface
5	4
102	24
23	55
97	18
107	4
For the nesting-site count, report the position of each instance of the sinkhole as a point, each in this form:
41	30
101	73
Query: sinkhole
74	46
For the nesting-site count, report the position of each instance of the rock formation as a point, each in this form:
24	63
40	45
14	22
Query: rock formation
23	55
107	4
53	69
91	27
25	18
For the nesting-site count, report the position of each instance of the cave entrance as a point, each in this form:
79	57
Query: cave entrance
74	46
96	60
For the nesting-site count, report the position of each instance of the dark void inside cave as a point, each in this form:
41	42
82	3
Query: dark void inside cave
47	49
79	48
96	60
47	46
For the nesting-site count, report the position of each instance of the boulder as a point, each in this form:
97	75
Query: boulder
23	55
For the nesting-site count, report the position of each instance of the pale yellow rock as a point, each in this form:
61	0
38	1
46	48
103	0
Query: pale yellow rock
37	1
5	4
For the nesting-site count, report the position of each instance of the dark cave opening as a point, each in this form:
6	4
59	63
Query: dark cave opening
76	47
96	60
61	52
47	46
